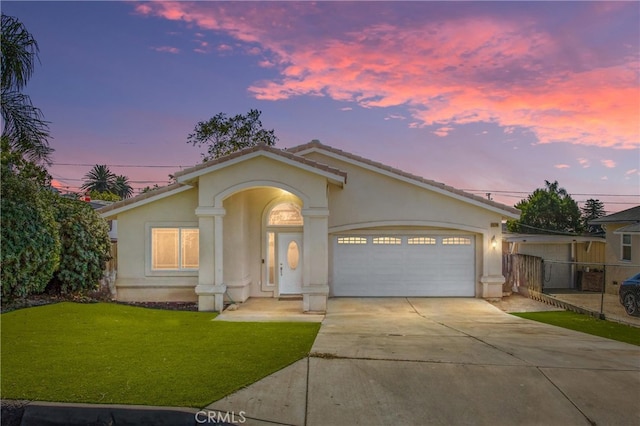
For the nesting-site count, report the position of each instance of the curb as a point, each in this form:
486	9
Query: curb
39	413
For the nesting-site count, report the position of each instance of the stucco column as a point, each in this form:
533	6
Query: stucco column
315	281
492	278
210	288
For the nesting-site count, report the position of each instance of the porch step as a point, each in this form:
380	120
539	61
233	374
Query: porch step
290	297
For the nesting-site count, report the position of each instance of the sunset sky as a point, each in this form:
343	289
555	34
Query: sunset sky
484	96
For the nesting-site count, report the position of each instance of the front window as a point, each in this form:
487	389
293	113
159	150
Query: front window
626	247
174	249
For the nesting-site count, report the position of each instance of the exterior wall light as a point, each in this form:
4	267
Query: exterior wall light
494	242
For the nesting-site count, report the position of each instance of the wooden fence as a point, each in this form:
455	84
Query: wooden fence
522	271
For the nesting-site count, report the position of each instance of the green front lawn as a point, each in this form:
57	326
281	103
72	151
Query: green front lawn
110	353
586	324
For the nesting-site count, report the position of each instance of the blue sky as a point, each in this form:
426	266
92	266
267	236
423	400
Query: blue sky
487	97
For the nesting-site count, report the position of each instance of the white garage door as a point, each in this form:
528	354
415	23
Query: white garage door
407	265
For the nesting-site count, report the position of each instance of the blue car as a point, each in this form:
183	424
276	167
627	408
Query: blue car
630	295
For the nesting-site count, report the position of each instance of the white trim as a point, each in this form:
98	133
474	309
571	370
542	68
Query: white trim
315	212
223	195
445	227
148	270
406	179
204	211
136	204
337	179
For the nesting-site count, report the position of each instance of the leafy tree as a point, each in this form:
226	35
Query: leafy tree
223	135
548	210
593	209
100	179
104	196
30	242
24	128
121	187
85	245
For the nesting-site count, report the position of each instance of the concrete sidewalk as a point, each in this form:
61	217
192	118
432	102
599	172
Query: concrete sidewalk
446	362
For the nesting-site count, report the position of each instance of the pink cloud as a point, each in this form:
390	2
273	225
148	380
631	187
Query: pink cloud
610	164
443	131
511	72
585	163
167	49
562	166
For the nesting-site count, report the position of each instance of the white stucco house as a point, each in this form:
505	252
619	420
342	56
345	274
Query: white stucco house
311	222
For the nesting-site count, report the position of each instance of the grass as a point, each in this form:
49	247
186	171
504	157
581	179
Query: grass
586	324
110	353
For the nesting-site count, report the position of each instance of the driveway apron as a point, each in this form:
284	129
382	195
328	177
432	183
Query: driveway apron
428	361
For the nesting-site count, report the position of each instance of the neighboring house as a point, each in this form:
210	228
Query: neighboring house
623	246
565	257
311	221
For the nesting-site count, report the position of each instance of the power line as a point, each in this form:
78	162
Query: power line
529	192
150	166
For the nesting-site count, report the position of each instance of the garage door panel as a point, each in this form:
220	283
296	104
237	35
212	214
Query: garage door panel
428	267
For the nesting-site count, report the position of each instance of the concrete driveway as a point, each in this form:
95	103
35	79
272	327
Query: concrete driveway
397	361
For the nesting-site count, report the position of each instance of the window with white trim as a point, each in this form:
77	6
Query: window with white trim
423	241
456	241
352	240
626	247
174	249
387	240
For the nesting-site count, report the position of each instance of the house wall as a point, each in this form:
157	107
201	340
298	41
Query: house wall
132	282
370	200
617	269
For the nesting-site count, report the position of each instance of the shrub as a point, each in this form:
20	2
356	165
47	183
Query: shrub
85	246
30	242
104	196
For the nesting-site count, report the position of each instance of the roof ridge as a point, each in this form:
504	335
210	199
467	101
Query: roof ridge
263	147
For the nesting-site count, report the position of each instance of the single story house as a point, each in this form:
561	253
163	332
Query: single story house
308	222
623	246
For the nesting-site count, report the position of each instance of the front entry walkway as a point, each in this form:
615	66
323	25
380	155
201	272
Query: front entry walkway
270	310
442	362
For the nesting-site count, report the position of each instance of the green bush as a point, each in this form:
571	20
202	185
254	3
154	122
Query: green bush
86	245
30	242
104	196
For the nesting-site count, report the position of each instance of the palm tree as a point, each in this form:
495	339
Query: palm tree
121	187
24	128
100	179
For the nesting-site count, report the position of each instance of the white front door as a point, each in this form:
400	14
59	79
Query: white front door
290	263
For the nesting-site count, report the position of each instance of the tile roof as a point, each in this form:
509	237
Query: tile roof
631	215
316	144
138	198
266	148
292	154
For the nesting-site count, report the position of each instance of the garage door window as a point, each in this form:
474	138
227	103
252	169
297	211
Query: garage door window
456	241
351	240
422	241
387	240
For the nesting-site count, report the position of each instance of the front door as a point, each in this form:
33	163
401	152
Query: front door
290	263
